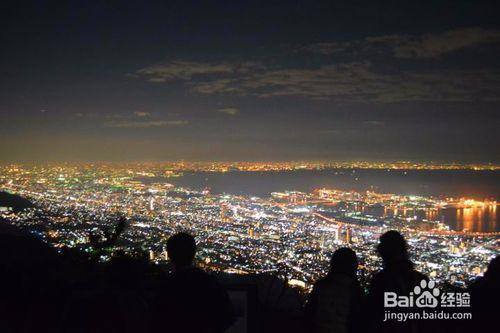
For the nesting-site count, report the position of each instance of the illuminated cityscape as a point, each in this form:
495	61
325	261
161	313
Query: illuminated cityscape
290	234
308	165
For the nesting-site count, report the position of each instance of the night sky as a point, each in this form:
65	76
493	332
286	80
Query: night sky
257	80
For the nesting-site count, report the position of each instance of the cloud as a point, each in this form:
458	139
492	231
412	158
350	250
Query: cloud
432	46
177	122
217	86
124	116
360	82
145	124
138	119
377	74
142	114
229	111
374	123
406	46
185	70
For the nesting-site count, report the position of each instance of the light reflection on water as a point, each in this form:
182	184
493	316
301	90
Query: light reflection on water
472	219
478	185
476	219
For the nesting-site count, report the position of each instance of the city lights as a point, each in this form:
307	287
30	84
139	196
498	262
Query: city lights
288	233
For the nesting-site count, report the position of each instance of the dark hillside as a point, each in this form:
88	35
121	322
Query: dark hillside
16	202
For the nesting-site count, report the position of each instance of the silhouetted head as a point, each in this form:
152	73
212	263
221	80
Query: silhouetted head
344	261
493	271
392	247
181	248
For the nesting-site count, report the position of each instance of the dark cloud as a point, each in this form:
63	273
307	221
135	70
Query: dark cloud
137	119
359	82
369	79
105	115
407	46
142	114
229	111
374	123
436	45
145	124
185	70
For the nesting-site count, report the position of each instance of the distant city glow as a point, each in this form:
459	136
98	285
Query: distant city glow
289	233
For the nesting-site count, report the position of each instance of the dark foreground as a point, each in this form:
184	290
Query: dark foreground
60	290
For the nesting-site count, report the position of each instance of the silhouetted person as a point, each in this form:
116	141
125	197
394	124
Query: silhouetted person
485	295
397	275
192	300
334	303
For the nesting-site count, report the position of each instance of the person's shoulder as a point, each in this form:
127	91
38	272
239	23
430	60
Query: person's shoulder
321	282
337	281
198	272
378	281
197	275
477	284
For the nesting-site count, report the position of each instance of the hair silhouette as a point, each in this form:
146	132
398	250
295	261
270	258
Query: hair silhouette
181	249
345	261
493	271
392	247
